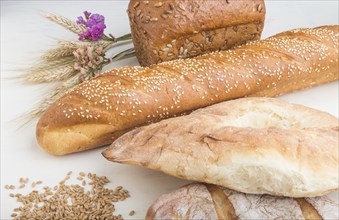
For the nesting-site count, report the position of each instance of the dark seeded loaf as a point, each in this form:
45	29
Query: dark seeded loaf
98	111
165	30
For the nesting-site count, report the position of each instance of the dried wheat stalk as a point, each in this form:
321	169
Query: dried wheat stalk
59	73
66	23
67	48
76	44
59	52
42	65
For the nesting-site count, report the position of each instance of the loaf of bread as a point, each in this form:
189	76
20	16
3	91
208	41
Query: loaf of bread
201	201
251	145
165	30
98	111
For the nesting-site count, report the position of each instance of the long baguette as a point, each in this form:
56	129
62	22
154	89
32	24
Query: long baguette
98	111
202	201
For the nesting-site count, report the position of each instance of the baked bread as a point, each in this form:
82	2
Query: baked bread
98	111
165	30
202	201
251	145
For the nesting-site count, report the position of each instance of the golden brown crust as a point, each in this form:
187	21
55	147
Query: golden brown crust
252	145
98	111
165	30
309	212
222	205
194	201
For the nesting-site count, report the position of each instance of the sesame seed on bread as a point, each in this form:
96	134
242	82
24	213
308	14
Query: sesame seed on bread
98	111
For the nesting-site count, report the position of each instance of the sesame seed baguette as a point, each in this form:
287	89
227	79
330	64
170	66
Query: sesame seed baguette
98	111
204	201
171	29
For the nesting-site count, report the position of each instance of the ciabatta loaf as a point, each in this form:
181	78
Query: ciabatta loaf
100	110
252	145
201	201
165	30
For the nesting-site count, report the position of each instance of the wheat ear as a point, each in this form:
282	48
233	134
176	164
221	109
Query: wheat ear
50	75
66	23
75	45
42	65
57	53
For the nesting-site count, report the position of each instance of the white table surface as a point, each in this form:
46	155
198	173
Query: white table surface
25	33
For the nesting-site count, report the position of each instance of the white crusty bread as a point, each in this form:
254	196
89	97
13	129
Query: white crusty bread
202	201
252	145
98	111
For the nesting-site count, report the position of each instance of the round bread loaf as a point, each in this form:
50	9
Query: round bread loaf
203	201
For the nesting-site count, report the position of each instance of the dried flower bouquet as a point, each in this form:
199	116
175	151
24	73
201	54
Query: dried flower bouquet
73	62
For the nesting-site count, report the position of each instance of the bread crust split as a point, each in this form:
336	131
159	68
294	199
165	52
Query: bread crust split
98	111
204	201
251	145
171	29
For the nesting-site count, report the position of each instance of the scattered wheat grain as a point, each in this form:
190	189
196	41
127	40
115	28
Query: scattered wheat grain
71	201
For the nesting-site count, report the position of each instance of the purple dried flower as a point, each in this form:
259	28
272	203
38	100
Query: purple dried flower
80	20
87	14
84	35
95	24
92	34
95	19
97	33
101	25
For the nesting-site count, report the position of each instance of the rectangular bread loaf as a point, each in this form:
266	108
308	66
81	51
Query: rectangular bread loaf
98	111
165	30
